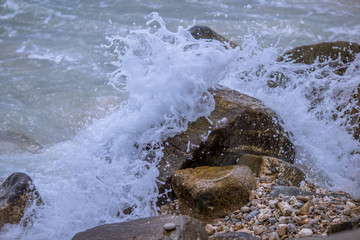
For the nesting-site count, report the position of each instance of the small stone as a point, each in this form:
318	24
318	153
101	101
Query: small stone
305	209
281	230
210	229
252	215
245	209
305	232
255	202
252	195
291	228
298	204
356	210
314	222
258	230
340	207
238	226
274	236
272	220
169	226
350	205
282	220
273	203
347	211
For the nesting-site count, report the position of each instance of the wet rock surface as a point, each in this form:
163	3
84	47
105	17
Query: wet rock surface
186	228
203	32
270	167
16	193
209	192
239	124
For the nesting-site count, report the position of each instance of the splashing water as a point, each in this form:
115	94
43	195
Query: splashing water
103	171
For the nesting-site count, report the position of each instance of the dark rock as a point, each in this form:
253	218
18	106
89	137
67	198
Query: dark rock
239	124
273	167
233	236
16	193
210	192
203	32
343	51
147	228
350	225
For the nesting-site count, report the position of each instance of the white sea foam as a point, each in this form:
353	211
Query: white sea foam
101	172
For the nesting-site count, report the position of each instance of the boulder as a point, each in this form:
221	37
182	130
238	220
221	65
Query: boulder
16	193
159	228
340	53
239	124
203	32
273	168
210	192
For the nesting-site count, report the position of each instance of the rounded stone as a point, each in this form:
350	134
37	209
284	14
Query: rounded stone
305	232
169	226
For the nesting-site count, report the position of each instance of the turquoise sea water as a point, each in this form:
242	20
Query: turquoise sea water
84	82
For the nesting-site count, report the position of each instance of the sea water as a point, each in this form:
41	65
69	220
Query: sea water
87	86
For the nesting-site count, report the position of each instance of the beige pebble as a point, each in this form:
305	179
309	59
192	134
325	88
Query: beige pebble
210	229
281	230
252	195
305	232
350	205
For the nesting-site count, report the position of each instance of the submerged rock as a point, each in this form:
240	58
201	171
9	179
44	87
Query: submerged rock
203	32
271	167
12	143
239	124
16	193
210	192
148	228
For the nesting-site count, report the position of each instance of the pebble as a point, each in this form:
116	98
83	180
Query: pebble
245	209
169	226
251	215
282	230
273	236
272	220
350	205
305	232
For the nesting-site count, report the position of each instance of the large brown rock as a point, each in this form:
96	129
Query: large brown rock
341	53
239	124
273	168
210	192
186	228
16	193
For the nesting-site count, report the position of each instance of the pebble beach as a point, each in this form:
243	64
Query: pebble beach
274	215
